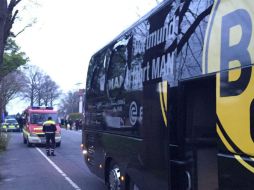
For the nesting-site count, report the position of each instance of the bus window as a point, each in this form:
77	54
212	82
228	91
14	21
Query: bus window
117	69
96	77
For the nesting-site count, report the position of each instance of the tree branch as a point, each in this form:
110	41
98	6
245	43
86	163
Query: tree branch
10	18
21	31
192	28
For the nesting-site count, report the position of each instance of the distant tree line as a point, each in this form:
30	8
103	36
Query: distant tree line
69	103
38	88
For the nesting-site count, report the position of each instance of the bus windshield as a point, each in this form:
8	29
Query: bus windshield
40	118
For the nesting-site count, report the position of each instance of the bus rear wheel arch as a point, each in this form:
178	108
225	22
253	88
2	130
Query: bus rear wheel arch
130	184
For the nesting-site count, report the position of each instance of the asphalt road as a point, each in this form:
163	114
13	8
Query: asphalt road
24	168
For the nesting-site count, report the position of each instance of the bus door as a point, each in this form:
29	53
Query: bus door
196	161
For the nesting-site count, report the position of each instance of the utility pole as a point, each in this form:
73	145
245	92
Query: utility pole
81	93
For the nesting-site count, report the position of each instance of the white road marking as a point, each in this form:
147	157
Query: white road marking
74	185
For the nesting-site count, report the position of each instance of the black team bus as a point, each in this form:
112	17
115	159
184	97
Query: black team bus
170	101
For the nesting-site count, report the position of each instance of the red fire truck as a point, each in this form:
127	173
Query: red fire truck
34	117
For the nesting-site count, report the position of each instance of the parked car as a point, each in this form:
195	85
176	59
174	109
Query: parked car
10	125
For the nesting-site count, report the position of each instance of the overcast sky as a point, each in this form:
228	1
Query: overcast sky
68	32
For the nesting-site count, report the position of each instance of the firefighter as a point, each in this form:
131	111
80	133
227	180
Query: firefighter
49	128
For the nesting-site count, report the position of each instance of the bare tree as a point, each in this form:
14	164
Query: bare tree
3	15
10	86
40	89
7	18
39	82
193	20
50	91
8	15
33	75
69	103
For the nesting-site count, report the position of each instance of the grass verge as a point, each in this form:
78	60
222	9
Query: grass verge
3	141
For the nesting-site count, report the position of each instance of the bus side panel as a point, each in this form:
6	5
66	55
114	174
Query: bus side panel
154	154
95	157
233	175
235	122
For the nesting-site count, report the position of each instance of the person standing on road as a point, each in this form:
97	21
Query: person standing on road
77	124
49	128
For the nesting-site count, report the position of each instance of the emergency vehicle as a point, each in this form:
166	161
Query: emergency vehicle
10	124
34	117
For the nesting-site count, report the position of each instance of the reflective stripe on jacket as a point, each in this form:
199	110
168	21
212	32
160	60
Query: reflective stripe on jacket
49	126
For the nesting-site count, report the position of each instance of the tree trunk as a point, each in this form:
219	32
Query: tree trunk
2	109
39	101
3	16
32	99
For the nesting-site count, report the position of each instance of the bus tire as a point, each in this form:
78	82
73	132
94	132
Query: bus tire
132	185
114	182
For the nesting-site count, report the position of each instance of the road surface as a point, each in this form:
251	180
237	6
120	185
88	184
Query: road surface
24	168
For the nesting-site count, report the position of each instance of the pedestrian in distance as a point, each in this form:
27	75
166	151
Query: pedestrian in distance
80	124
49	128
77	124
71	124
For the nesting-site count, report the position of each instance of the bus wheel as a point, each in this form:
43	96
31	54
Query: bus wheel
132	185
114	182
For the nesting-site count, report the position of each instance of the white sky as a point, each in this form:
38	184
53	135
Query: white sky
68	32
